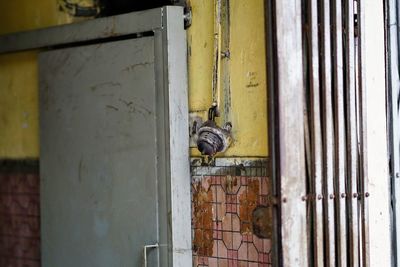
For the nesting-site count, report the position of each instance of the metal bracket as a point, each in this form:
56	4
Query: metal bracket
187	16
195	121
145	252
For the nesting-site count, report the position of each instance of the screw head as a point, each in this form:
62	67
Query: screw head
343	195
331	196
366	194
319	197
355	195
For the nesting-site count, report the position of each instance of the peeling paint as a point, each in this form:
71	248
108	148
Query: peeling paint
248	202
202	220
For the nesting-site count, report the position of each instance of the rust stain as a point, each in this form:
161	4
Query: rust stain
248	202
202	220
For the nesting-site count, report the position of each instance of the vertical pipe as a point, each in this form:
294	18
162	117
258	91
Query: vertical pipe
273	128
216	86
363	135
352	157
340	138
328	141
393	85
316	134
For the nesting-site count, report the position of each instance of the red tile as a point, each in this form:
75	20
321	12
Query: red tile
228	239
221	211
220	194
235	222
222	263
236	240
15	262
242	252
20	226
205	183
264	186
215	248
19	204
258	243
17	247
232	199
227	222
234	208
213	262
263	258
218	225
231	248
247	237
232	254
229	208
222	250
217	235
264	200
267	245
232	263
252	253
203	260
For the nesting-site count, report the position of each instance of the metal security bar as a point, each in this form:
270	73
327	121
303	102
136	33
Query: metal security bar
334	100
334	123
392	14
340	142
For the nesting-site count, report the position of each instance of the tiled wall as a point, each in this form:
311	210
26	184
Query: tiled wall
19	214
231	216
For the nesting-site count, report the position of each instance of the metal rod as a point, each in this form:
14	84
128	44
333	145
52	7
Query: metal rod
328	139
316	136
216	86
273	127
363	136
145	253
340	138
352	153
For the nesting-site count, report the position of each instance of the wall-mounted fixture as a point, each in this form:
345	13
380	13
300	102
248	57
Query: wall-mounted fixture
212	138
80	8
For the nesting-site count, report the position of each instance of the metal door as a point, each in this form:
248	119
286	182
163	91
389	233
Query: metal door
112	153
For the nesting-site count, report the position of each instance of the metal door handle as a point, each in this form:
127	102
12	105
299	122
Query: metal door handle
145	252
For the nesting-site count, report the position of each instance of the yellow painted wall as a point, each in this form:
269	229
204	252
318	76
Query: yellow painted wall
22	15
18	77
247	71
18	106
